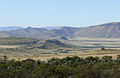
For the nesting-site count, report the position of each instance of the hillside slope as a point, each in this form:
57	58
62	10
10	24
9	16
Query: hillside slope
17	41
48	44
108	30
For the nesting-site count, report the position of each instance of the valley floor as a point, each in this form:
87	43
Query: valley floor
83	47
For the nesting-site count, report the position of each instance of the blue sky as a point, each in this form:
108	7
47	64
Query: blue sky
39	13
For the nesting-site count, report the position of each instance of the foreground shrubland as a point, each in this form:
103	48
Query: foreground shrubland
69	67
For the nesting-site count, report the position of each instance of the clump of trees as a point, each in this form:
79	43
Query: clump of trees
69	67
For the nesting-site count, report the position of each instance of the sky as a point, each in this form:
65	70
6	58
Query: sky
42	13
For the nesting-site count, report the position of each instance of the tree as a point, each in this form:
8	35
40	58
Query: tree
103	48
118	58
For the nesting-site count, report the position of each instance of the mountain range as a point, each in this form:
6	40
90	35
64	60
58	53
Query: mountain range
107	30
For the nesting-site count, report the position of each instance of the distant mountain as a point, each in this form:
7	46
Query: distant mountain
26	32
9	28
108	30
52	27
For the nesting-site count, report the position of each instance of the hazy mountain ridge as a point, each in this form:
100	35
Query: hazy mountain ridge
9	28
108	30
27	32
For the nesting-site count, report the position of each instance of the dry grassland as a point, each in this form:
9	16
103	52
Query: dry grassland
8	46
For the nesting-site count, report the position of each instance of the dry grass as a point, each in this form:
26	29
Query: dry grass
9	46
45	57
96	42
100	39
94	53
